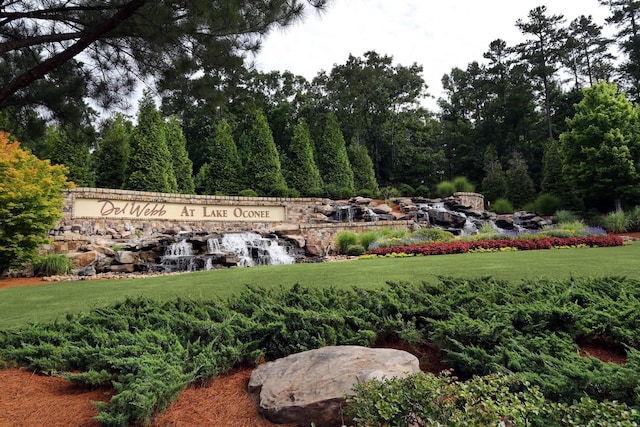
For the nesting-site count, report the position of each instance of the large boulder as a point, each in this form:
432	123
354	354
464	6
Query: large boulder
309	387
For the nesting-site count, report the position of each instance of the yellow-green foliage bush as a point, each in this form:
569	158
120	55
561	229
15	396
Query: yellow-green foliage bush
30	202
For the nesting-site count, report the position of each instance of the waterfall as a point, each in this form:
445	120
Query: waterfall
253	249
178	257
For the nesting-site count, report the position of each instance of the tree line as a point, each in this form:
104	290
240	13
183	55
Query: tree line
553	115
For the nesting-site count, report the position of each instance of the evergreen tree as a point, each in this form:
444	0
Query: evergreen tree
494	184
601	150
220	174
110	159
70	147
364	177
520	189
333	161
182	165
150	167
554	181
302	172
262	165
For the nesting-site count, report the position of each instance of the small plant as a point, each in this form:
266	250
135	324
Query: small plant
355	250
445	189
422	191
344	239
502	206
52	265
462	184
406	190
616	222
366	239
547	204
576	227
564	215
433	235
248	192
634	219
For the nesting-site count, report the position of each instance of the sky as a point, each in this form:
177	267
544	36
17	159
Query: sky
436	34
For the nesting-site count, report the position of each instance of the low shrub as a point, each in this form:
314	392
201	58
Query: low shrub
462	184
406	190
547	204
366	239
615	222
634	219
445	189
52	265
434	235
422	191
355	250
344	239
502	206
248	192
564	215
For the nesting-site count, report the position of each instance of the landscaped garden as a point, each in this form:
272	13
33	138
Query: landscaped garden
508	325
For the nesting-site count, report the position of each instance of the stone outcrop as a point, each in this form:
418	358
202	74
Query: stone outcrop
309	386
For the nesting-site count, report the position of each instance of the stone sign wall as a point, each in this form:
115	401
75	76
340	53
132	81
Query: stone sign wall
95	214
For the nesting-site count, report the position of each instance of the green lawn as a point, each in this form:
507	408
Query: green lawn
51	301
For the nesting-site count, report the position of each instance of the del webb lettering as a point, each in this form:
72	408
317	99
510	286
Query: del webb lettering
119	209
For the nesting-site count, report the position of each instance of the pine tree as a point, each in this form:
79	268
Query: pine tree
70	147
262	165
111	158
520	189
220	174
333	161
182	165
303	174
494	184
364	177
150	167
553	179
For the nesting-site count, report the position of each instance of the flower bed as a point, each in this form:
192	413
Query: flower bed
464	246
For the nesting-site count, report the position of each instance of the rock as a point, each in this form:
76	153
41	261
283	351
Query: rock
100	249
505	222
309	386
359	200
121	268
86	271
382	208
324	209
286	229
82	259
314	250
126	257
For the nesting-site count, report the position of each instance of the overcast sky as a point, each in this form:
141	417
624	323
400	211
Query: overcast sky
437	34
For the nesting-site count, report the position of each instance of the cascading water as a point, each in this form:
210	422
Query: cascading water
253	249
178	257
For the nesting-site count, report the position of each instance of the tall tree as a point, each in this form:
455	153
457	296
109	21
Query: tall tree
494	184
364	177
554	181
150	167
70	147
182	165
124	40
112	155
543	51
587	52
601	151
262	161
220	174
302	172
625	14
333	160
520	188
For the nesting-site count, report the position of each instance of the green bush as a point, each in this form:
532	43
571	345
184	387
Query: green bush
564	215
406	190
366	239
355	250
634	219
615	222
365	192
462	184
422	191
434	235
52	265
445	189
547	204
502	206
248	192
344	239
576	227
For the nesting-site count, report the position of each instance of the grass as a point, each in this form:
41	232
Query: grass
52	301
